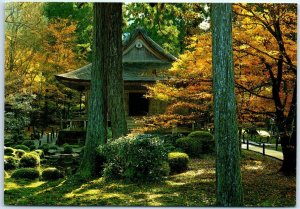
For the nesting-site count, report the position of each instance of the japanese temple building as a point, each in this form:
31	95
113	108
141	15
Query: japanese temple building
143	61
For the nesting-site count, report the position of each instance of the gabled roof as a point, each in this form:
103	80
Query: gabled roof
143	61
140	34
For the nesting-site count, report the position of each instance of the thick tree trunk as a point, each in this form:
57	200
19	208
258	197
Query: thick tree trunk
115	71
287	131
228	174
97	115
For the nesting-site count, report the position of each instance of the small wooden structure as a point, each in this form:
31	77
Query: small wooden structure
144	61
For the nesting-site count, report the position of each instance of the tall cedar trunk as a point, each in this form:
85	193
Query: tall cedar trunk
228	174
97	115
115	71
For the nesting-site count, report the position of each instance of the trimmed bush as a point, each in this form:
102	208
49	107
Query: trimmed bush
196	143
208	143
51	173
45	148
67	149
191	146
39	152
26	173
28	143
19	153
137	158
30	160
10	163
178	161
22	147
9	151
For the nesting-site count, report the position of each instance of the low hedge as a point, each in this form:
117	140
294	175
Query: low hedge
30	160
9	151
19	153
26	173
196	143
178	161
68	149
22	147
51	173
10	163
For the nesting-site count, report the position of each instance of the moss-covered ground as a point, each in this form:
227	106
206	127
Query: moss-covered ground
263	186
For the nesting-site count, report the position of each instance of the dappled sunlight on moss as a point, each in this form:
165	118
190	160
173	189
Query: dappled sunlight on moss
15	185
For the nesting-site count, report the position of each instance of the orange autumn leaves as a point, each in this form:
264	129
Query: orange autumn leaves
254	46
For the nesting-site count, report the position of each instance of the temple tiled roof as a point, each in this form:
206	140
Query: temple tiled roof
143	64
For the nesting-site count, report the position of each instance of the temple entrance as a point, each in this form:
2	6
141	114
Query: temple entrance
138	105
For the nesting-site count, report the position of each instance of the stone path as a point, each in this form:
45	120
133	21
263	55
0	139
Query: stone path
268	152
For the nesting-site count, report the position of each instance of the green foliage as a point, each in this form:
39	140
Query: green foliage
67	149
51	173
30	160
178	161
192	146
19	153
206	138
39	152
22	147
10	163
9	151
196	143
16	119
26	173
28	143
137	158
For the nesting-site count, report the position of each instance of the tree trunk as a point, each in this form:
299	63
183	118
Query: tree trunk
228	174
115	71
97	115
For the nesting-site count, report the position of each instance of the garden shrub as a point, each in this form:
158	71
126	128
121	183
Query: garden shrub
39	152
178	161
19	153
136	158
191	146
68	149
30	160
196	143
45	148
51	173
9	151
28	143
22	147
26	173
206	138
10	163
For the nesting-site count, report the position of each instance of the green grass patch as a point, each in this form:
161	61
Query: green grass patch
263	186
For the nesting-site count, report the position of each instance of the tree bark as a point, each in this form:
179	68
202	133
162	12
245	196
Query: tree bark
97	115
115	71
228	174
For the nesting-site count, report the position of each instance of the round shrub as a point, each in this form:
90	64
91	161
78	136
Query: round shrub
39	152
10	163
206	138
191	146
30	160
135	158
28	143
178	161
26	173
51	173
19	153
9	151
67	149
22	147
45	148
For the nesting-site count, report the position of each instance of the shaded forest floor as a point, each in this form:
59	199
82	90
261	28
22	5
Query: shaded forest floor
263	186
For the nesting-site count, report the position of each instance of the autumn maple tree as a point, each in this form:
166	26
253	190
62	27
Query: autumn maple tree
264	44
